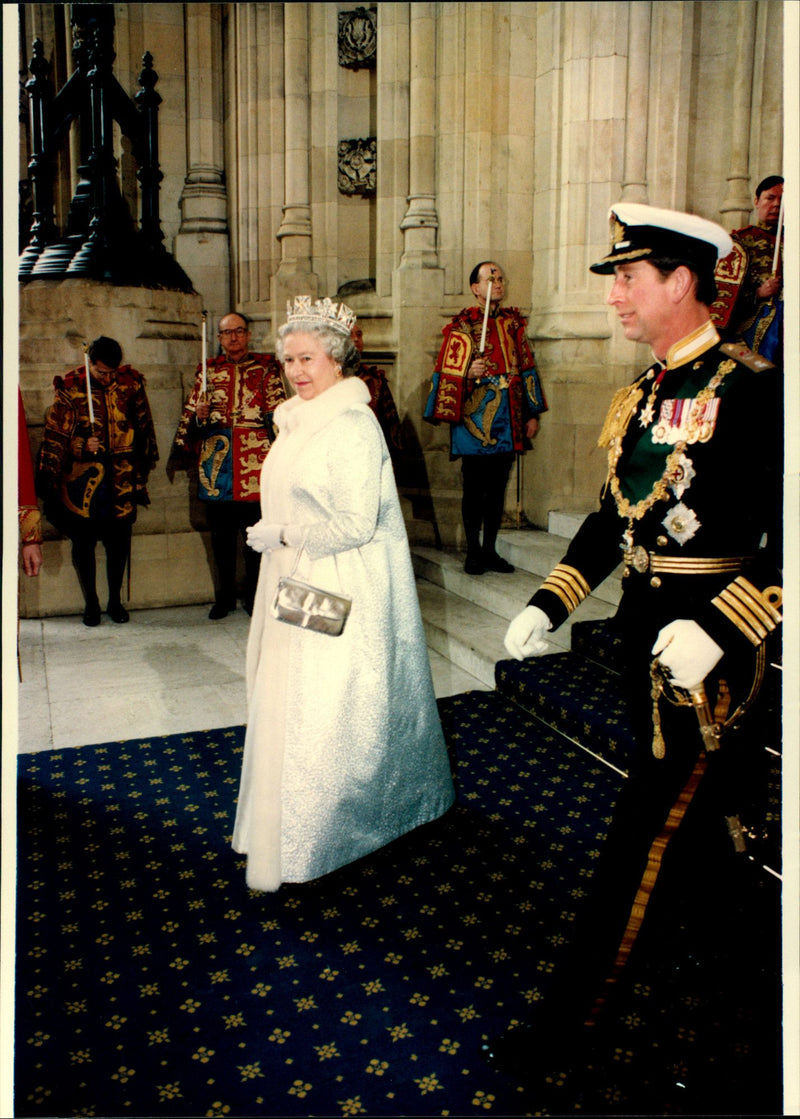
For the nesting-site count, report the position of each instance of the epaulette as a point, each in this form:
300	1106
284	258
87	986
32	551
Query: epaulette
753	361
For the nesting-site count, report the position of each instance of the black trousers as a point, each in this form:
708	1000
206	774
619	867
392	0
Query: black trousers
228	522
115	536
696	867
485	478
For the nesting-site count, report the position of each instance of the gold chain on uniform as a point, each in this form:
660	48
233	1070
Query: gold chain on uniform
616	426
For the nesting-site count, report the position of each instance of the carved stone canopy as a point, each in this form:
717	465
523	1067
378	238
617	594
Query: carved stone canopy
358	38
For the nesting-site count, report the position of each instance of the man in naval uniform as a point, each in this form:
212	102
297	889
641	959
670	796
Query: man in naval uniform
492	400
229	428
691	505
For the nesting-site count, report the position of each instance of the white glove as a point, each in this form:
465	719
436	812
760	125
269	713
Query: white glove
687	651
525	633
263	537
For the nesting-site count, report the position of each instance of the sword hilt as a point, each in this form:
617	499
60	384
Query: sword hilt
709	728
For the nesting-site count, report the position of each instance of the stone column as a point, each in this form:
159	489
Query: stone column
634	176
295	275
418	281
202	245
480	123
771	59
579	153
254	118
421	221
393	129
735	209
673	89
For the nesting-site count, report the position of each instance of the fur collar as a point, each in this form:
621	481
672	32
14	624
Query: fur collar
310	415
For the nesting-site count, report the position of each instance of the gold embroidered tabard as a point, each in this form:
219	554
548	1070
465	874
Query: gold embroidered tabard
233	442
448	402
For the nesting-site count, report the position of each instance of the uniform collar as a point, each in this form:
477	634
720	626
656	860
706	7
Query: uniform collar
692	346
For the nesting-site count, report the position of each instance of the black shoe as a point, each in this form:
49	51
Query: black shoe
220	610
473	565
117	613
528	1053
92	615
493	562
248	608
514	1052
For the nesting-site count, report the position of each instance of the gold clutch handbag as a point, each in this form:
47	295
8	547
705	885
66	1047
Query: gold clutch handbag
299	604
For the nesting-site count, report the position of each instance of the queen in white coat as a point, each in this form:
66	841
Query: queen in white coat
344	750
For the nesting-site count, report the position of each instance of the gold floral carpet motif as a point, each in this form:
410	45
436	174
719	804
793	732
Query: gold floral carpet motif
152	982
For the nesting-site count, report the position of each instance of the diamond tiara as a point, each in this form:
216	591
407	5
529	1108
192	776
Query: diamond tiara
322	312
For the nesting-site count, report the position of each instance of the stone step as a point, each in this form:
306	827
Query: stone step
463	599
561	523
449	679
465	634
538	552
465	619
466	616
503	595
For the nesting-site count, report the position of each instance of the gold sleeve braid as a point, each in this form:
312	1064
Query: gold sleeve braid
568	584
755	613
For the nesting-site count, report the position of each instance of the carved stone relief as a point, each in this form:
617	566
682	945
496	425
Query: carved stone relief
358	38
358	165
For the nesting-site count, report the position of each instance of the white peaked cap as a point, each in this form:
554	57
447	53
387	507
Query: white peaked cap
639	232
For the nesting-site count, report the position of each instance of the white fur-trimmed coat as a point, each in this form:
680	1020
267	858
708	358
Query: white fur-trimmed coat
344	750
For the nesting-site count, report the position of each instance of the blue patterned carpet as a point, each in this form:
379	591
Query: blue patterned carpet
152	982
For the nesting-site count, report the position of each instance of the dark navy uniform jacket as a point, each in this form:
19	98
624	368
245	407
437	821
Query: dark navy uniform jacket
695	469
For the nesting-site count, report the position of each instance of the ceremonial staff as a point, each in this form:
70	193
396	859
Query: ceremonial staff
486	315
88	383
778	239
203	382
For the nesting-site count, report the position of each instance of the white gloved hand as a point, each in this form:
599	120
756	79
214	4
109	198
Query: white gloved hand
263	537
687	651
525	633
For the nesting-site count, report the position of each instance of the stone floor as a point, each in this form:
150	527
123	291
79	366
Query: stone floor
166	671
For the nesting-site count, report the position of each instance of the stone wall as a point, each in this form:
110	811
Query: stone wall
503	131
159	335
